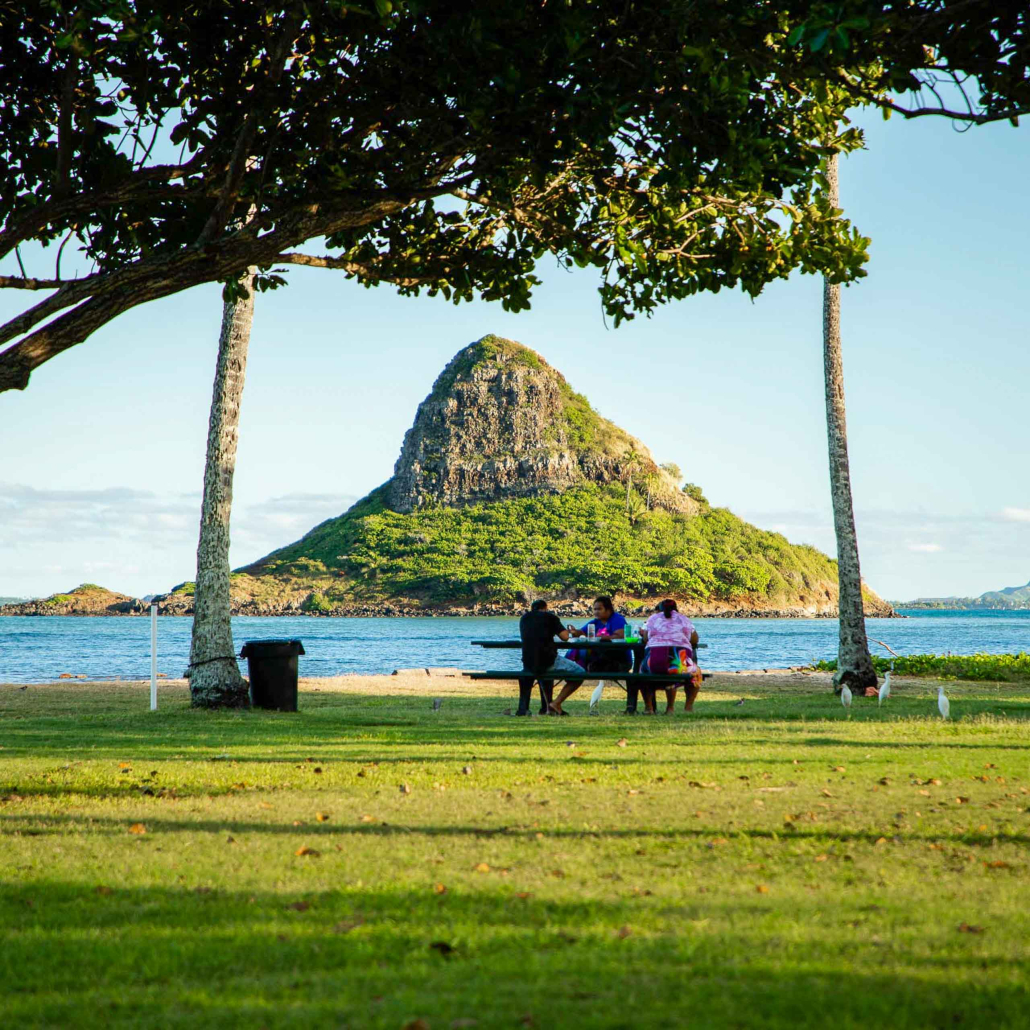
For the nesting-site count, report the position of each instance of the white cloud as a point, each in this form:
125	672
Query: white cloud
1016	514
134	541
925	548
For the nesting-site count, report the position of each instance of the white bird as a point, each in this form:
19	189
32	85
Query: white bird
885	689
943	704
845	697
595	697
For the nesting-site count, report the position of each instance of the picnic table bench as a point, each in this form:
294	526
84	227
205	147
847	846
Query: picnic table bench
630	681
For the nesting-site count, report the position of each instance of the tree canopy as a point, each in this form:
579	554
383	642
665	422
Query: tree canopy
439	145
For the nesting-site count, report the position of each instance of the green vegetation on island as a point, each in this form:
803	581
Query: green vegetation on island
581	540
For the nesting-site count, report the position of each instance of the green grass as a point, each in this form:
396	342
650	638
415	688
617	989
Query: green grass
770	865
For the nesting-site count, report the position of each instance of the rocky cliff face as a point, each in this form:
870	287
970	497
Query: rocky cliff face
500	423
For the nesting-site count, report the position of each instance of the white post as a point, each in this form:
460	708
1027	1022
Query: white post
153	657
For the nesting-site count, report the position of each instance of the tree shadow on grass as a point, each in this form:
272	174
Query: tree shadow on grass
74	956
58	825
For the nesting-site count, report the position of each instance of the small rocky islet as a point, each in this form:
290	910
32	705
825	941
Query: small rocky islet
510	486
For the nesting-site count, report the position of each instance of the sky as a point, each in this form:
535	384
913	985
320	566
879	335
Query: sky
102	455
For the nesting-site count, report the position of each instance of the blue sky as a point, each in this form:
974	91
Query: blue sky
103	454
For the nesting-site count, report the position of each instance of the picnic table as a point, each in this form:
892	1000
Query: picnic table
631	682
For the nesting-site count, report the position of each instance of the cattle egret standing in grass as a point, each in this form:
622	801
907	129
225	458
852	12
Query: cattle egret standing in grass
595	697
845	697
943	704
885	689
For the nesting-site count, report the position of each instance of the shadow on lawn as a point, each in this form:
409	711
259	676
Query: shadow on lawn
176	957
58	825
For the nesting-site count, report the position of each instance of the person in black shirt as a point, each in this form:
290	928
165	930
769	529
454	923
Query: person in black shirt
538	628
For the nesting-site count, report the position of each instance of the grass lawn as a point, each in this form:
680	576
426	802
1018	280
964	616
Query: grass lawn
369	862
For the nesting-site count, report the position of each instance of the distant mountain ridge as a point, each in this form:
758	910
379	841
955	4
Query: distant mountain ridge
1007	597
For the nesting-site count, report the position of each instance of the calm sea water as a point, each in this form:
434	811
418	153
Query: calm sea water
40	649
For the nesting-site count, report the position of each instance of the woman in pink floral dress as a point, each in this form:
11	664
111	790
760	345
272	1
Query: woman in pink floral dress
671	646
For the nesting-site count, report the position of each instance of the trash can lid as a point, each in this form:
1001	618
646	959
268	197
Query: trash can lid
271	647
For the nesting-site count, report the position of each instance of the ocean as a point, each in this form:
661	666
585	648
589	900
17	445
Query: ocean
35	650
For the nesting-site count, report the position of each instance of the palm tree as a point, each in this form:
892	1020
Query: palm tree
630	463
854	663
215	680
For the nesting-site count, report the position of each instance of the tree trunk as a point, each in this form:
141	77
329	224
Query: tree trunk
215	680
854	664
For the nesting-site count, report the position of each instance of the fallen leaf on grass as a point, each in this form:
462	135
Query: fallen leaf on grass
439	888
322	817
967	928
838	768
884	781
879	841
623	932
348	924
405	789
482	867
523	895
443	948
137	828
305	852
762	889
416	1024
299	906
124	765
825	793
621	742
368	818
961	801
718	840
925	793
317	769
632	791
102	890
997	864
558	874
265	804
821	858
467	770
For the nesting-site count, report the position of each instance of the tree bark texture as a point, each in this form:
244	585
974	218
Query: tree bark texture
215	680
854	664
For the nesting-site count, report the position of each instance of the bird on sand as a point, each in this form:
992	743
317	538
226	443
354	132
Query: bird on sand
885	689
943	704
845	697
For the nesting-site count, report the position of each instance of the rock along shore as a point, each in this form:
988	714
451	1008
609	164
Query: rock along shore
182	605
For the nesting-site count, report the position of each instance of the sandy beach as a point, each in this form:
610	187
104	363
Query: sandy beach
448	682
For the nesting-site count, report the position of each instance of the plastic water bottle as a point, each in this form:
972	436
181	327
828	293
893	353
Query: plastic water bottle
628	632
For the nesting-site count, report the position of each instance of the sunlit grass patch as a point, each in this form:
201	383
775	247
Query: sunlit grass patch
368	862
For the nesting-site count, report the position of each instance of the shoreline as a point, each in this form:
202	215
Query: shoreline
564	610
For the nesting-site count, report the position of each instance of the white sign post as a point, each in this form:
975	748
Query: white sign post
153	657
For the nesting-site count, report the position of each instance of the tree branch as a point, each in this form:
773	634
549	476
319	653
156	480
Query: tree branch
362	269
238	163
18	282
65	146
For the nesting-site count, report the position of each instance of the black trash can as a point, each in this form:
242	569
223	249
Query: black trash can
272	667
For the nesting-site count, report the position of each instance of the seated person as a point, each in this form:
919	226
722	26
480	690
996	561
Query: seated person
670	647
607	622
540	660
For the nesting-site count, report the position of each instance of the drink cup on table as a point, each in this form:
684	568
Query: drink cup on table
591	631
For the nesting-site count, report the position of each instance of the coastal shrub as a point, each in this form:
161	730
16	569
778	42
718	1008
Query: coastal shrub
1003	668
316	602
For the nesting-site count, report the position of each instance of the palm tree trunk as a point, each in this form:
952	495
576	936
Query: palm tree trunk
854	664
215	680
